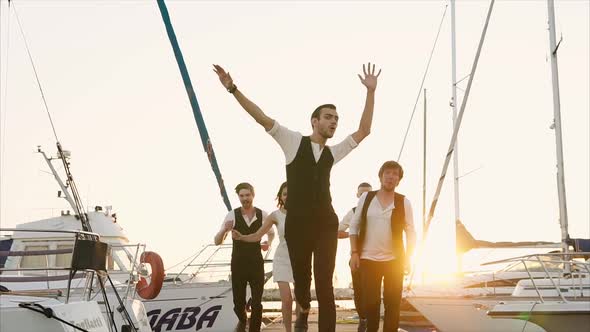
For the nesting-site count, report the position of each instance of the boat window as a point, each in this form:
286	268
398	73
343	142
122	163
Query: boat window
118	260
34	261
63	260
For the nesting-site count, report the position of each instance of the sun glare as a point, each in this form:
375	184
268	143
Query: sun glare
436	260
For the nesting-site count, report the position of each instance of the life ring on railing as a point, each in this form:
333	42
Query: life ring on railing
151	290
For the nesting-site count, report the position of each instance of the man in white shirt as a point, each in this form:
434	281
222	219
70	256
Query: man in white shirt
311	226
247	264
356	276
377	246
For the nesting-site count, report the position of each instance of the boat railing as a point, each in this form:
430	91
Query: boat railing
212	260
572	268
206	258
86	265
115	264
136	268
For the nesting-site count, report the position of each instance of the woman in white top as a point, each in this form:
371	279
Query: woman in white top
281	266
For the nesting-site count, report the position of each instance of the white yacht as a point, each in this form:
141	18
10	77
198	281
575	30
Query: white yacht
39	297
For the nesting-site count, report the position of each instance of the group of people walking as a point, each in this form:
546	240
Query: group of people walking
310	230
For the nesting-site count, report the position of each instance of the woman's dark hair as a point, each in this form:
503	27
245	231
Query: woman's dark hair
279	199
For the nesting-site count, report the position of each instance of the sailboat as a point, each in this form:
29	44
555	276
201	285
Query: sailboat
563	314
461	308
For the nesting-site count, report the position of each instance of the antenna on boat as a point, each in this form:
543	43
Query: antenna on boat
69	189
73	198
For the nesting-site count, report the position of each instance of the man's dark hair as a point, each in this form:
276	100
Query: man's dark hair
316	113
364	185
244	185
391	165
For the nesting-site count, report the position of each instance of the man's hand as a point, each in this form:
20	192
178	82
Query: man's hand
228	226
264	245
225	78
355	262
342	234
370	79
236	235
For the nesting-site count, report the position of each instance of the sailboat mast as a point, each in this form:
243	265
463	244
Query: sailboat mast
454	105
563	221
459	118
188	85
424	171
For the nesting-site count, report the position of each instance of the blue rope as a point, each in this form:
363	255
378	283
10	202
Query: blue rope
207	145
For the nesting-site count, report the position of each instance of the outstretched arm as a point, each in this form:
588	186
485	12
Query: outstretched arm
255	237
369	81
252	109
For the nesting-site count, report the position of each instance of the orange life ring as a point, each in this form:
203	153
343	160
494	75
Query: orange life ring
151	290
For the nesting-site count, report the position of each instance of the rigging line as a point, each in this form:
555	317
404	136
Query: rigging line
35	71
422	84
470	172
461	80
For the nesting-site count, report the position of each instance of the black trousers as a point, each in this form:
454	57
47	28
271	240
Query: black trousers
392	275
358	293
243	272
320	243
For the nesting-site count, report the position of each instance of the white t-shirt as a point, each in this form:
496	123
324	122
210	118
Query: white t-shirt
289	141
377	244
345	223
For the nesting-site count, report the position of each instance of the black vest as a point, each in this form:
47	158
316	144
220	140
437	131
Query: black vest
309	182
242	249
398	221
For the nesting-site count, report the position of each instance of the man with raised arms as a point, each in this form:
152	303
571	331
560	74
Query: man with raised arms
311	226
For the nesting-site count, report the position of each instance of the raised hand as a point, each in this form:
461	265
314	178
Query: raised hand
224	78
370	79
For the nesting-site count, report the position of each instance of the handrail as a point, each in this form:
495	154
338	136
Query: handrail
556	258
65	231
519	258
203	248
35	252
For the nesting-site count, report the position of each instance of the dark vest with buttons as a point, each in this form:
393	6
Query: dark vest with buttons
246	250
398	220
309	188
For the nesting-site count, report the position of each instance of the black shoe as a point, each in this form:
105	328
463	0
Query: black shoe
240	327
362	325
301	322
